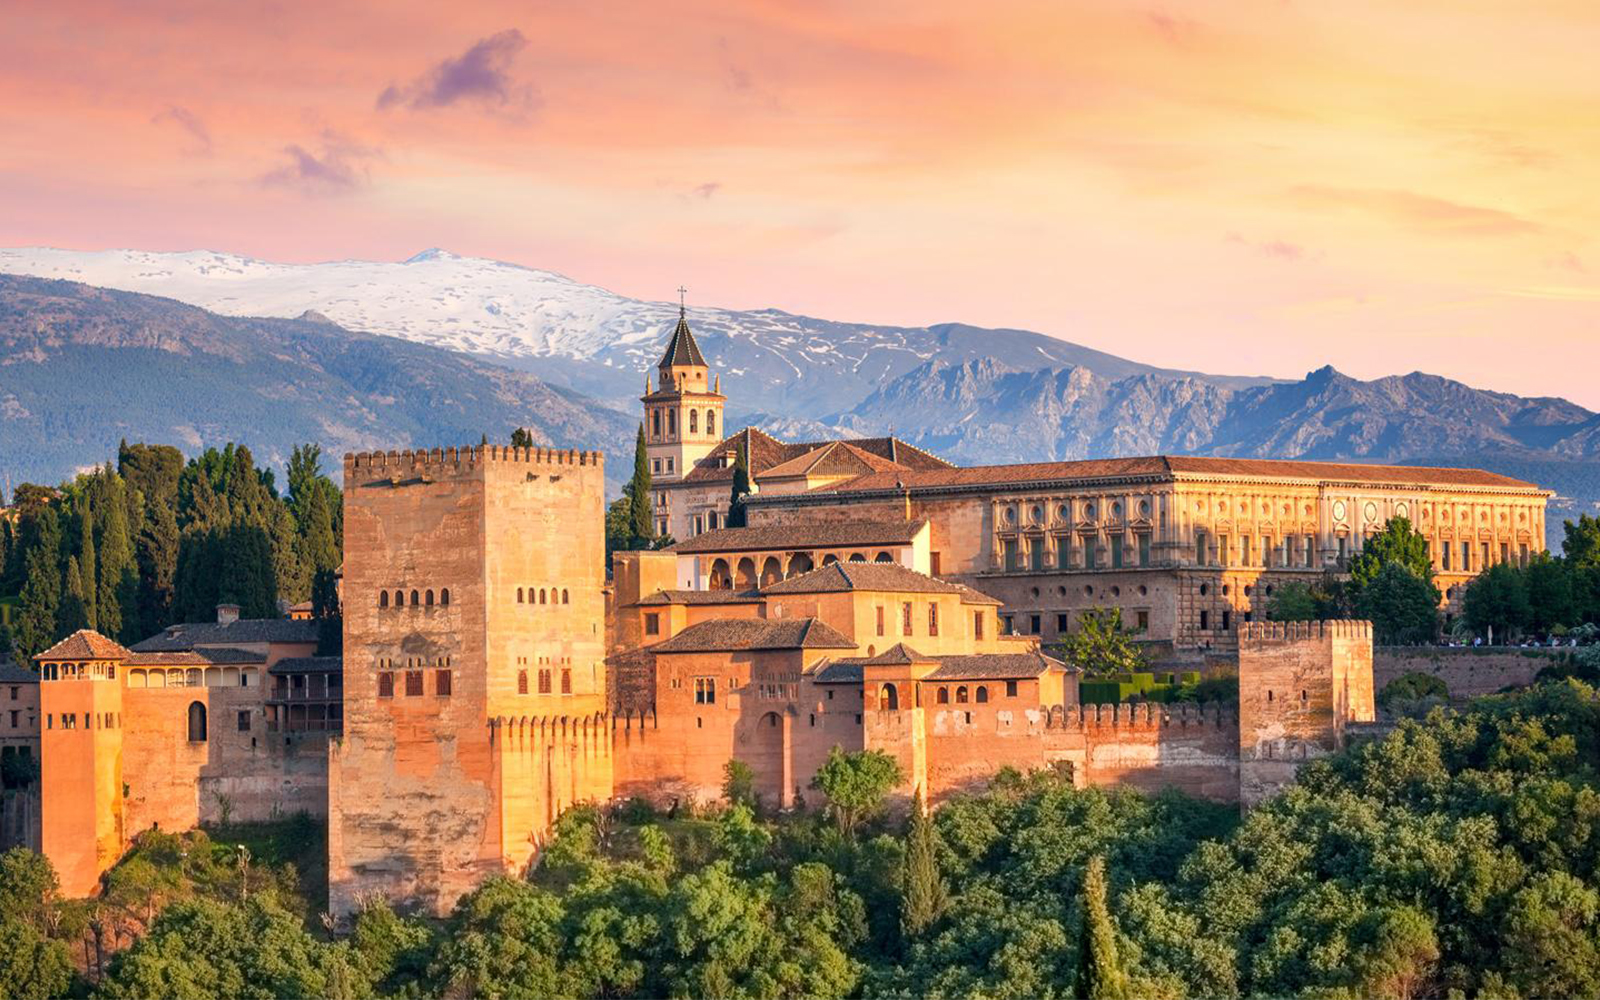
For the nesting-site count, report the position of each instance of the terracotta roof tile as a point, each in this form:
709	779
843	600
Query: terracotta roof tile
729	634
698	597
898	655
879	577
992	666
682	349
1164	467
245	630
812	535
85	644
308	665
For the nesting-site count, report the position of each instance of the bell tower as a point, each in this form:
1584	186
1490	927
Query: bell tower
683	413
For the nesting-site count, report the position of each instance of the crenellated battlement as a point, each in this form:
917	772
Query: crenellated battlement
1275	632
418	460
1142	716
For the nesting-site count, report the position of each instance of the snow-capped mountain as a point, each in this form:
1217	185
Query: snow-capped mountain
569	333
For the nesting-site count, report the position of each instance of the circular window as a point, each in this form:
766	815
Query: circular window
1037	514
1205	588
1088	591
1143	590
1339	510
1063	513
1061	592
1011	515
1451	593
1088	510
1036	592
1248	590
1116	510
1269	590
1226	590
1483	515
1144	507
1371	510
1116	591
1523	516
1402	509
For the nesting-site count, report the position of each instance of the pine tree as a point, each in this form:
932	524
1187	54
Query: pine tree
41	589
741	485
88	588
1100	972
522	438
640	522
922	889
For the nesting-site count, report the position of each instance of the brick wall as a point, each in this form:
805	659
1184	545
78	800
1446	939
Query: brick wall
1467	672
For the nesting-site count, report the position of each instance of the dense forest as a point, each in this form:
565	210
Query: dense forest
130	548
1458	856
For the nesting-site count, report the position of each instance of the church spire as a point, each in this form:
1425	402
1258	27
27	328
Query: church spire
681	349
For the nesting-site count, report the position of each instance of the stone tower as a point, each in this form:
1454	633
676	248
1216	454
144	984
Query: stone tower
683	415
474	667
1300	684
80	749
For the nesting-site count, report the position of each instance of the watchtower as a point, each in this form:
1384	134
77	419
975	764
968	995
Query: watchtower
1300	683
474	652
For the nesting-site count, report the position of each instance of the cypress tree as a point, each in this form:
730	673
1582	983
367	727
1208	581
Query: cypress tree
319	550
1100	972
522	438
116	577
741	485
41	588
157	556
88	590
640	522
73	613
325	608
922	889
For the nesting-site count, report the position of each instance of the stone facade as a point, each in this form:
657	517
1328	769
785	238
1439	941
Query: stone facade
474	657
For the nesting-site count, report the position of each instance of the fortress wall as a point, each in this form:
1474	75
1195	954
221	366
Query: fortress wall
1468	672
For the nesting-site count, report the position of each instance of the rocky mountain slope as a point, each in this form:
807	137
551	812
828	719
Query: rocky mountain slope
82	367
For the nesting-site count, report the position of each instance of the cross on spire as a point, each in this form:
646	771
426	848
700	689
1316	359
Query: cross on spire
682	291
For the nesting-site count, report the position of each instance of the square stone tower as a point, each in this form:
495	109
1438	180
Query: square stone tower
474	659
1300	683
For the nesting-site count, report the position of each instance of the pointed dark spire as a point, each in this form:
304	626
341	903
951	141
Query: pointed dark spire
681	349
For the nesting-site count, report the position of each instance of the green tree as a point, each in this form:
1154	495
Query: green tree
1497	599
73	612
32	967
88	576
641	524
1397	544
1101	646
156	555
1548	583
1403	607
29	890
922	888
1396	950
856	784
117	578
739	783
1101	975
325	608
741	484
522	438
40	599
1581	545
1293	602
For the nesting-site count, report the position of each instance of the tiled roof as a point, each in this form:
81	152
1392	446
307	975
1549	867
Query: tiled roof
85	644
245	630
992	666
833	458
898	655
728	634
810	535
880	577
1162	466
698	597
968	667
204	656
308	665
766	454
10	673
681	349
970	596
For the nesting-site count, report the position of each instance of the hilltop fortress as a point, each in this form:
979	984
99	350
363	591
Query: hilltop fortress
878	598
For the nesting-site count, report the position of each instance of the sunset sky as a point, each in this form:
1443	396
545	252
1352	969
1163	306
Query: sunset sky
1250	186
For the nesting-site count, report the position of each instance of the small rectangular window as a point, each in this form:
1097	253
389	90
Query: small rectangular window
244	720
933	618
705	690
566	680
1034	624
652	623
1011	689
1116	551
905	618
880	619
1009	550
1205	621
1199	548
1144	548
413	683
442	683
522	682
977	624
1062	623
1143	621
544	681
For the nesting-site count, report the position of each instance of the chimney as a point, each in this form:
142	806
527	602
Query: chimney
227	614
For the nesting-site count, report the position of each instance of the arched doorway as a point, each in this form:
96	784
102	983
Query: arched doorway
889	698
771	571
799	563
763	751
197	722
745	578
721	578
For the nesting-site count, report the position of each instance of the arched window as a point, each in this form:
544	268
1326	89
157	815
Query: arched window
399	598
444	596
427	598
694	422
541	595
197	722
414	601
943	696
883	557
655	423
564	597
961	695
522	682
857	557
519	595
983	694
383	598
889	697
672	423
711	421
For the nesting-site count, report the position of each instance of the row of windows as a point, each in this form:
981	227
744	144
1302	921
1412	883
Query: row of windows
91	720
889	695
1039	557
413	683
543	596
412	662
1033	624
545	681
308	687
672	422
908	616
77	671
423	599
